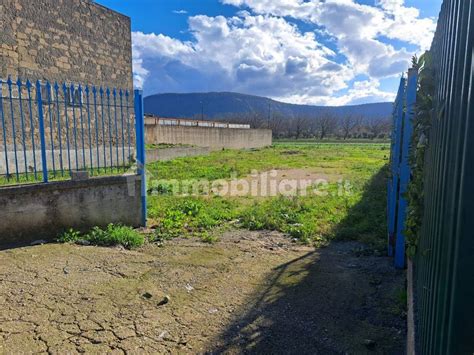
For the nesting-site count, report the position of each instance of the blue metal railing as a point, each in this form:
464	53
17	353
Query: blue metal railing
49	129
400	167
392	189
141	159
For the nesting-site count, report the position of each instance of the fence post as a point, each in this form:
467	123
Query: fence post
140	142
405	167
41	131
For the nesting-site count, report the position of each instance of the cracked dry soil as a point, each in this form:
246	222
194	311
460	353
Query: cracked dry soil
251	292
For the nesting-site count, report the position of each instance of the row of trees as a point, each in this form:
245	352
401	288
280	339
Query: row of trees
320	127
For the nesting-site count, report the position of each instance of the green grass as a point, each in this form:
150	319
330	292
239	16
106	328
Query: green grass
363	160
112	235
310	219
29	178
165	146
331	141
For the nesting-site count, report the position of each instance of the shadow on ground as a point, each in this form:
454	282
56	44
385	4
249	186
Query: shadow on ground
339	299
366	221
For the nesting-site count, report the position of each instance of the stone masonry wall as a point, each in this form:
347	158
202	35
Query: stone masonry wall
72	41
65	40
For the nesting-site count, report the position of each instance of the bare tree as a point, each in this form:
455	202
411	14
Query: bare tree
277	123
348	124
299	125
326	125
378	126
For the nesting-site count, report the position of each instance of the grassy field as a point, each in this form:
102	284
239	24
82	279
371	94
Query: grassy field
331	141
356	213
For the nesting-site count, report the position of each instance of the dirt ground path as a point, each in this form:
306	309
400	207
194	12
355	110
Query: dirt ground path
251	292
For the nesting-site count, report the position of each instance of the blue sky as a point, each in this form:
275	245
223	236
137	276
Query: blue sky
330	52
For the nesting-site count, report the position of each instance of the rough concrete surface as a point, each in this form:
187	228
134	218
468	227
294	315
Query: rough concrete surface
42	211
213	138
252	292
165	154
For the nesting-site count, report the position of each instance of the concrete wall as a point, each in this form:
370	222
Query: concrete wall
41	211
165	154
214	138
73	40
105	159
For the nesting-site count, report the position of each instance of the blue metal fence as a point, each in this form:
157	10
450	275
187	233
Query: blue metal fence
444	262
399	166
49	129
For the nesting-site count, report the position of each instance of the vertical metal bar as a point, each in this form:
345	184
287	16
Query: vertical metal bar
141	159
22	125
89	127
454	284
66	99
110	129
74	129
114	93
41	131
94	95
2	116
60	133
128	127
79	90
437	242
424	259
10	93
390	179
442	247
101	91
51	125
123	135
32	128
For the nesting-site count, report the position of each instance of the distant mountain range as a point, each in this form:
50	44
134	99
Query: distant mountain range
215	105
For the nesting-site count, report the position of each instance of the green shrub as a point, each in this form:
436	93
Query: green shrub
116	235
190	207
171	225
160	188
70	236
302	232
288	215
184	216
206	221
419	145
112	235
208	238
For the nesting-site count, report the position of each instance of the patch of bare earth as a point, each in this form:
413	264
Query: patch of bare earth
250	292
277	181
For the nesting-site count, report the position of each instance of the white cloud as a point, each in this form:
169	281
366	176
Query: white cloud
260	51
349	19
365	91
180	12
404	23
146	46
262	55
